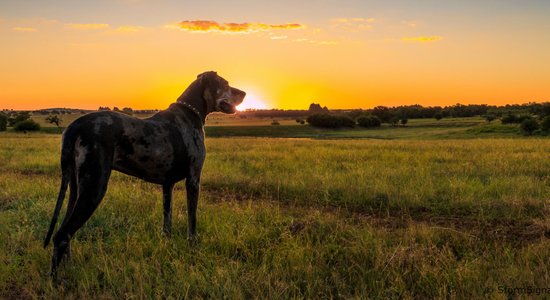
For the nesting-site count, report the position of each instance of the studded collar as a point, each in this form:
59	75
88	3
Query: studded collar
194	110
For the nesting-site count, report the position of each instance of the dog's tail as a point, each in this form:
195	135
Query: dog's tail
66	170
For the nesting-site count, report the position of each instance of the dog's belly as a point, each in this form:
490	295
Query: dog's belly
145	167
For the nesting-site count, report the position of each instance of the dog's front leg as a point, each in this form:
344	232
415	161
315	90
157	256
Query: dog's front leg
167	205
192	185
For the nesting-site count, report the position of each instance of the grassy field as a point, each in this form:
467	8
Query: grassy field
417	217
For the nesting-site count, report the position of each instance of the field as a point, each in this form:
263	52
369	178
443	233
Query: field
457	209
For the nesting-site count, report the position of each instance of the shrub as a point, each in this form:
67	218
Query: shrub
489	118
394	121
438	116
54	119
18	117
369	121
275	122
514	119
404	121
529	125
27	125
330	121
545	124
3	122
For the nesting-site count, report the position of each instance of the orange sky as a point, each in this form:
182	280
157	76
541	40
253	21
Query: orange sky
345	55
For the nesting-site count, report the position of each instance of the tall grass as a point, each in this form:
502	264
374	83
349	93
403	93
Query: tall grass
294	218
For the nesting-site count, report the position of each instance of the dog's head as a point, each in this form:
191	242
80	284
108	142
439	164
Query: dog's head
217	93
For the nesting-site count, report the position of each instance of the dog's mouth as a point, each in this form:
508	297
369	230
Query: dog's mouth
227	107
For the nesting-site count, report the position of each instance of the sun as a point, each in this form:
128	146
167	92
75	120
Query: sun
252	101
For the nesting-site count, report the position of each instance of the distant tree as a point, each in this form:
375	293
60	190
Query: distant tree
26	125
404	121
316	108
54	119
529	125
18	117
127	110
438	116
302	122
103	108
275	122
508	119
489	118
298	121
369	121
394	120
545	124
116	109
330	121
3	122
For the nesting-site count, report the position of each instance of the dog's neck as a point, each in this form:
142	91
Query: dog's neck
192	99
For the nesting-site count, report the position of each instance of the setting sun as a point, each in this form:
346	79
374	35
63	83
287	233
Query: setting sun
252	101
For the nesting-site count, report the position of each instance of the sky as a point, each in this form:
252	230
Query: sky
284	54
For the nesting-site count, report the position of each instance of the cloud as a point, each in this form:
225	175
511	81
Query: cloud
279	37
90	26
422	39
353	24
25	29
213	26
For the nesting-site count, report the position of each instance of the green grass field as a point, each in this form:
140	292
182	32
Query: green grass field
459	210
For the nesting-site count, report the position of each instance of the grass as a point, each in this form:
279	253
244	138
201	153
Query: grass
280	218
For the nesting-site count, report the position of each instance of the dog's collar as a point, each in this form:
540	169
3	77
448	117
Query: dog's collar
193	109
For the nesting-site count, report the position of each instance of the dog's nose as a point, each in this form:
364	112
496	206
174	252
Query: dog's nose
239	92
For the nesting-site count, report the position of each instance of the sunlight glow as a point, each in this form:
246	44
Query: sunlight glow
252	101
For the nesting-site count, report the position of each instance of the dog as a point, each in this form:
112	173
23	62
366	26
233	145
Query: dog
163	149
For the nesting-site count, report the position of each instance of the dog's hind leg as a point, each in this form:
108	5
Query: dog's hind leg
192	185
92	178
167	206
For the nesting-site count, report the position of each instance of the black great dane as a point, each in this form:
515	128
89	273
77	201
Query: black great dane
164	149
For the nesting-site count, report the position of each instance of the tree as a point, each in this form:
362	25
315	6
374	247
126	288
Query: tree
438	116
545	124
104	108
54	119
330	121
369	121
18	117
3	122
404	121
316	108
529	125
127	110
26	125
489	118
394	120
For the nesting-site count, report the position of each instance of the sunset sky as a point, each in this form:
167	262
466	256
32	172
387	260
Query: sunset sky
284	54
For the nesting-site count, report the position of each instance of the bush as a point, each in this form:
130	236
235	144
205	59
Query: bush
438	116
18	117
54	119
394	121
3	122
330	121
404	121
27	125
529	125
514	119
275	122
369	121
489	118
545	124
